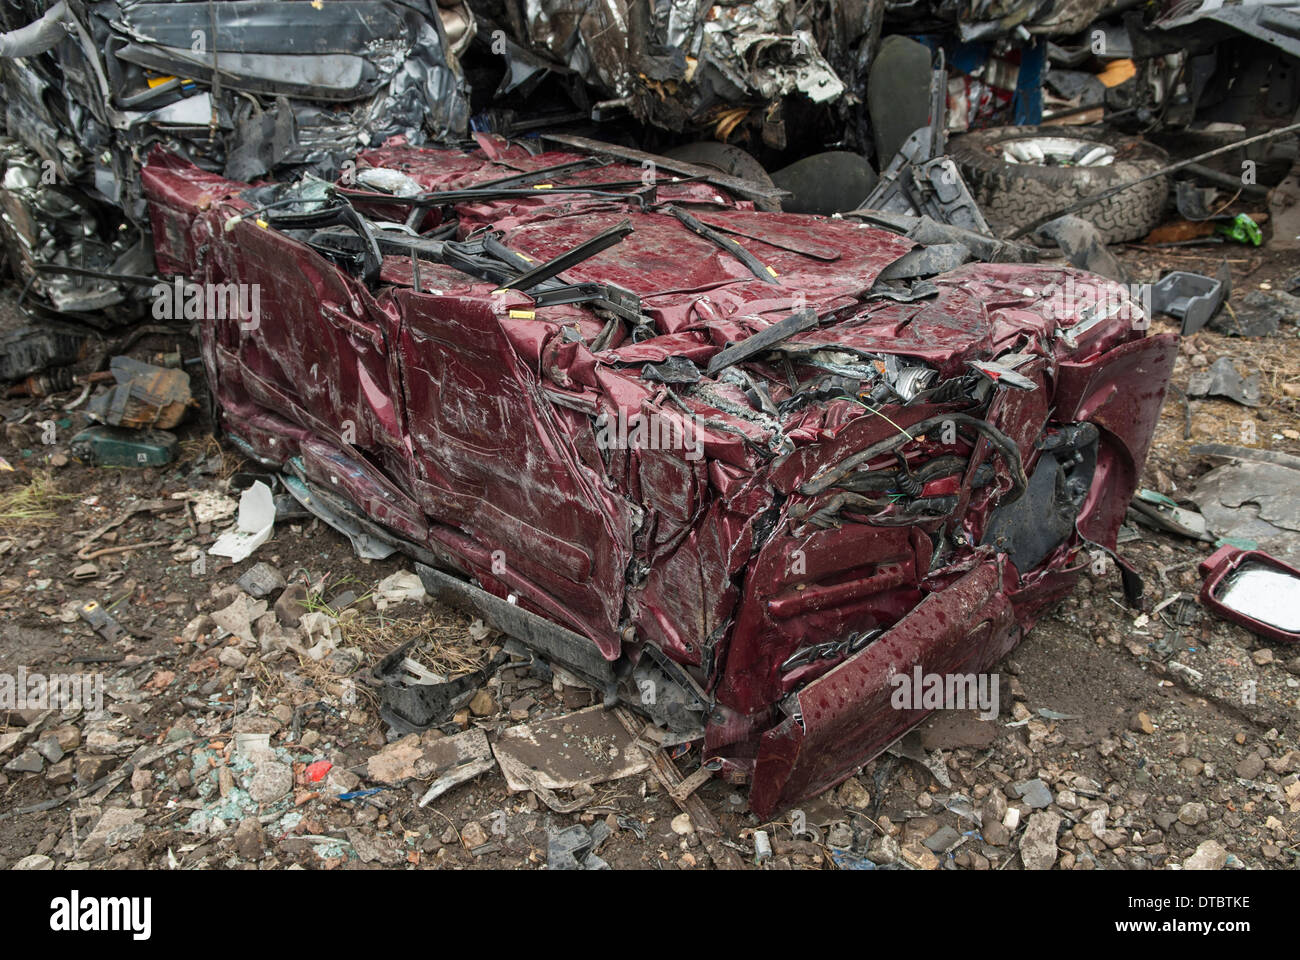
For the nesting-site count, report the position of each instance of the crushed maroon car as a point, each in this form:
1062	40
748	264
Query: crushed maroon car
698	454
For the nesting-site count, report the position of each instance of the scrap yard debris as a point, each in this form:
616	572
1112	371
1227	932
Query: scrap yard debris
525	435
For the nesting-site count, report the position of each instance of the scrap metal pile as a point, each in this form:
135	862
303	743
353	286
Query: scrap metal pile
686	63
248	87
253	88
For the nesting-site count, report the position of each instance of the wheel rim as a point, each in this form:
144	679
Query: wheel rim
1058	152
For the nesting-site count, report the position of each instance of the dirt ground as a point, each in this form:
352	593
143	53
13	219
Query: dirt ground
1159	744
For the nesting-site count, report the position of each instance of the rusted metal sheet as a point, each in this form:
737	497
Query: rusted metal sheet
145	396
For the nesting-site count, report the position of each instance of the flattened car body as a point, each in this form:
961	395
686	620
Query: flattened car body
765	531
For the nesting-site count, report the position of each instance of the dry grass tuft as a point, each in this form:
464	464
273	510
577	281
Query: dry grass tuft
442	643
34	505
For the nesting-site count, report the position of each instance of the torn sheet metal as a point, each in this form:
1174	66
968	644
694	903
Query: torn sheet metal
46	225
683	63
457	760
367	545
1153	509
1250	501
1082	246
920	181
1221	379
382	56
929	232
743	553
446	761
1275	23
575	751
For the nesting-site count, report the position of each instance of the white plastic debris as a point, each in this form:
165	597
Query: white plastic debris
253	528
321	634
397	588
238	617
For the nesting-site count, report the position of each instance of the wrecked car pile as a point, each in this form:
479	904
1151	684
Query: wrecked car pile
245	86
823	95
702	451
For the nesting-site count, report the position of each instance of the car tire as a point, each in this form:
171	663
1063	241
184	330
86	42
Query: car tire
726	159
1012	194
836	181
